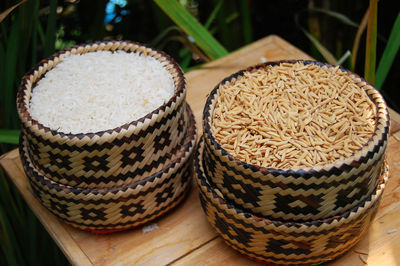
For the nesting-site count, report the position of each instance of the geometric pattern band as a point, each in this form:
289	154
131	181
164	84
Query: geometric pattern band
282	199
117	207
136	157
274	241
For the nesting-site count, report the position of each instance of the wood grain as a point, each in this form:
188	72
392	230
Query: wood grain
184	236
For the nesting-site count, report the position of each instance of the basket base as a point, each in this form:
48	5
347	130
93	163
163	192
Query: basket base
170	208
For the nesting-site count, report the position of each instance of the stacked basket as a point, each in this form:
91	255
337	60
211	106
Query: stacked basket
299	216
115	179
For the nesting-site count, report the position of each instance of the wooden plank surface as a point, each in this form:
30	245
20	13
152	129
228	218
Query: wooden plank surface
184	235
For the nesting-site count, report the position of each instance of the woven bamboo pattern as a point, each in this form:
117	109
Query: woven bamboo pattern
274	241
117	207
308	193
107	158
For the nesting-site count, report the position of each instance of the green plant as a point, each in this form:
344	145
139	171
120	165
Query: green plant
23	240
372	74
389	54
22	41
328	56
370	51
19	49
199	34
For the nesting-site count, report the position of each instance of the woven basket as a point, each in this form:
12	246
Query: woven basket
109	158
279	242
308	193
117	208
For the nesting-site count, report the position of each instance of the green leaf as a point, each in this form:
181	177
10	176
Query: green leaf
389	54
324	52
193	28
4	14
186	59
213	14
328	56
370	50
339	16
8	242
35	32
9	136
11	58
246	21
356	43
344	57
50	38
7	196
164	34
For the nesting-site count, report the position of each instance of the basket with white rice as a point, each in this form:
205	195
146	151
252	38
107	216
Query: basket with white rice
104	117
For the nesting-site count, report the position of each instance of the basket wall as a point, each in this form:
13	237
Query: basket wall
118	207
299	194
274	241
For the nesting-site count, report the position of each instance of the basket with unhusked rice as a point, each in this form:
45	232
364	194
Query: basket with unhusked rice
103	117
295	140
285	242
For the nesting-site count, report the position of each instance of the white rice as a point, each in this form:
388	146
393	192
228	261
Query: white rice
99	91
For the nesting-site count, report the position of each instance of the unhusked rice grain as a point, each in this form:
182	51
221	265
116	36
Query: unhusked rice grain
293	116
99	91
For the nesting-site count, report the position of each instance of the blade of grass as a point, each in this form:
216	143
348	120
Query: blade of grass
324	52
193	28
246	21
344	57
8	242
389	54
163	34
328	56
5	13
11	57
2	66
40	31
4	33
7	198
35	32
356	43
223	29
50	37
213	14
33	236
190	46
9	136
186	54
25	34
370	50
339	16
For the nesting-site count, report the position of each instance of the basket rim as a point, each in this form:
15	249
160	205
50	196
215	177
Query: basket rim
183	155
28	121
205	187
299	171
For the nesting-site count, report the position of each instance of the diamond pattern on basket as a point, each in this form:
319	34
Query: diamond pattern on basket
129	157
96	163
133	209
93	214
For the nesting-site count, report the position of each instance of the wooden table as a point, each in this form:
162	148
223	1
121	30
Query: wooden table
184	236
